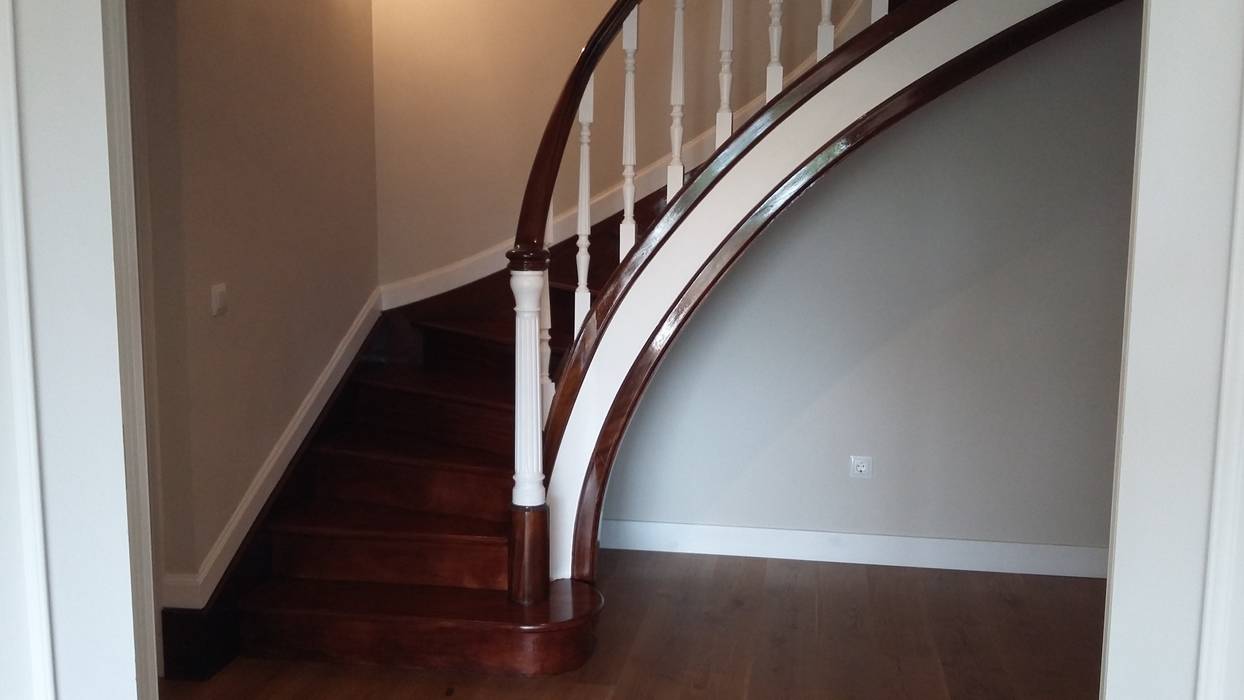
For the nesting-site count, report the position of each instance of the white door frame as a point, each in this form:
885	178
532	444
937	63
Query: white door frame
69	265
1175	624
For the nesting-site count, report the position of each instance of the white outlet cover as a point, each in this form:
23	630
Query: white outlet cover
861	467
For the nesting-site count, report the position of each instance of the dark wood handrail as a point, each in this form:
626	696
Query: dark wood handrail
529	252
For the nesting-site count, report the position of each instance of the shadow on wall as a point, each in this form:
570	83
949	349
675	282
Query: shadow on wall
948	301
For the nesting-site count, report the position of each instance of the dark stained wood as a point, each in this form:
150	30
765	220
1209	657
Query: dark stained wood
529	252
920	93
529	554
425	627
696	626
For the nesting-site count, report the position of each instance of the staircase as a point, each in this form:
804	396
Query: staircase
413	527
389	542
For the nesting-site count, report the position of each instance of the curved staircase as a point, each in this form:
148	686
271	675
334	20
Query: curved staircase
412	527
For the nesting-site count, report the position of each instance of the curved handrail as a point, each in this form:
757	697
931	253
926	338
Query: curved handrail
575	363
893	110
529	252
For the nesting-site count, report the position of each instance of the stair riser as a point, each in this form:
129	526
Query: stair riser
447	351
445	420
415	487
415	562
417	643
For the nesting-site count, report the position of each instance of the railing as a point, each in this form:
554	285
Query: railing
534	388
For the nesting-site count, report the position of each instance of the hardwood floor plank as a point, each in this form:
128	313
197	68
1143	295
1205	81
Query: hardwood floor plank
697	626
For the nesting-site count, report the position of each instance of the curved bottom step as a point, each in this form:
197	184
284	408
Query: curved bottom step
421	626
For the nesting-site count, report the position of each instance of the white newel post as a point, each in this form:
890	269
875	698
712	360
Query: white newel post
824	32
546	324
725	114
582	294
674	174
880	9
528	287
773	74
630	43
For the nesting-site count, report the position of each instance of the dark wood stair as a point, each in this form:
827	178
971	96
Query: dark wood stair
389	540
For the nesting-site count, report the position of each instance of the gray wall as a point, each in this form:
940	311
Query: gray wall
948	301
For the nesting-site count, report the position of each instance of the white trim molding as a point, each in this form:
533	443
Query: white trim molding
15	311
855	548
564	225
1220	673
183	590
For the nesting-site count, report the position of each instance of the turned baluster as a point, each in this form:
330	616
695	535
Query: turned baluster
773	73
725	114
630	44
674	172
582	294
824	32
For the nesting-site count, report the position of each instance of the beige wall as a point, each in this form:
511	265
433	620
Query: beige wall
464	88
255	151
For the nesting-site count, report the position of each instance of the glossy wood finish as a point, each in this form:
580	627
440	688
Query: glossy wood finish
394	523
574	367
694	626
421	627
875	122
529	554
529	252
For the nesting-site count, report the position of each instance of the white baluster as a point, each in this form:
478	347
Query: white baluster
880	9
546	324
630	44
725	114
583	295
528	436
824	32
675	172
773	74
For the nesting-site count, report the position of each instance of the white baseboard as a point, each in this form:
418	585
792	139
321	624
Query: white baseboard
849	548
193	590
608	202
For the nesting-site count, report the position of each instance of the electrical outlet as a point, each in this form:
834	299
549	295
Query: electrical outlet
861	467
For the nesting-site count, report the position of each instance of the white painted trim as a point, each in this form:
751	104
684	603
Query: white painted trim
13	254
130	350
193	590
932	43
564	226
854	548
1219	673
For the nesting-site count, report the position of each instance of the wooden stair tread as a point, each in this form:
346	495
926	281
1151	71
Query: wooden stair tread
568	602
498	330
479	390
393	446
344	518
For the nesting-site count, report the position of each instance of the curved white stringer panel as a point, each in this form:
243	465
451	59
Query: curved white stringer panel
919	51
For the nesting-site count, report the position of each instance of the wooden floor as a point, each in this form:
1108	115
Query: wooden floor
694	626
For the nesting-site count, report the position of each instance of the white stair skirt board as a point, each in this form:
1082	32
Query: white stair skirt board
648	179
932	43
193	590
852	548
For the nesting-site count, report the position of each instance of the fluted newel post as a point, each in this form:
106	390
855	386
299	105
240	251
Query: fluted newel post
880	9
582	294
725	113
529	513
674	172
630	44
773	73
546	325
824	32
